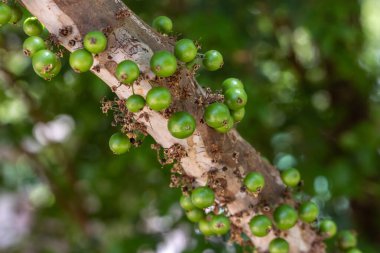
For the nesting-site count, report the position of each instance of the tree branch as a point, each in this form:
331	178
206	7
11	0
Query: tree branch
221	160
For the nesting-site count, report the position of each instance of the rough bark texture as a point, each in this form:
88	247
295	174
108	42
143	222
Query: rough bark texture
213	158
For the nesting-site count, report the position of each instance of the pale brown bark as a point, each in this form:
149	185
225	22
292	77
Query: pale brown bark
222	159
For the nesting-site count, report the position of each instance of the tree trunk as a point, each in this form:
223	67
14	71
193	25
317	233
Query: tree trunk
221	160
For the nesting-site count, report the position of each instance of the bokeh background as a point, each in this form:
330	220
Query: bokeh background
311	69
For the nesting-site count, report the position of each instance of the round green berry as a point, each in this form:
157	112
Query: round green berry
158	98
46	64
163	63
308	211
278	245
185	203
5	13
213	60
291	177
16	14
238	115
185	50
260	225
135	103
95	42
227	127
205	227
202	197
32	45
254	181
32	26
346	239
232	83
119	143
195	215
235	99
81	60
54	72
285	217
217	115
127	72
328	228
220	224
181	125
163	24
354	250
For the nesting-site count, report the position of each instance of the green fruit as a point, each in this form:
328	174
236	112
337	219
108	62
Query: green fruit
46	64
81	60
232	83
181	125
260	225
235	99
203	197
5	13
158	98
285	217
195	215
185	50
291	177
354	250
163	63
220	224
346	239
135	103
119	143
32	45
238	115
205	227
328	228
308	211
227	127
32	26
163	24
95	42
217	115
254	182
278	245
186	204
16	14
213	60
127	72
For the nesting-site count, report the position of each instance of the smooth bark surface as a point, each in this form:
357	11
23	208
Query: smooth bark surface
221	160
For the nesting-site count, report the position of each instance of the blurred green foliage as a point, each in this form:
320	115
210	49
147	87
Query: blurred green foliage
311	71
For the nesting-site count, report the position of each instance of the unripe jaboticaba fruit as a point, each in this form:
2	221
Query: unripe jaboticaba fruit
16	14
46	64
260	225
217	115
202	197
346	239
238	115
185	50
135	103
127	72
54	72
254	181
81	60
291	177
213	60
32	26
32	45
195	215
308	211
232	83
163	24
227	127
186	203
285	217
163	63
181	125
220	224
328	228
119	143
235	99
278	245
205	227
158	98
5	13
354	250
95	42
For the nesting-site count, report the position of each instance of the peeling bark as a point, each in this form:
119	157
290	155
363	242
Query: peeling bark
221	160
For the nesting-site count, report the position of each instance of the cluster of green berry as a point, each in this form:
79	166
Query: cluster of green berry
195	204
